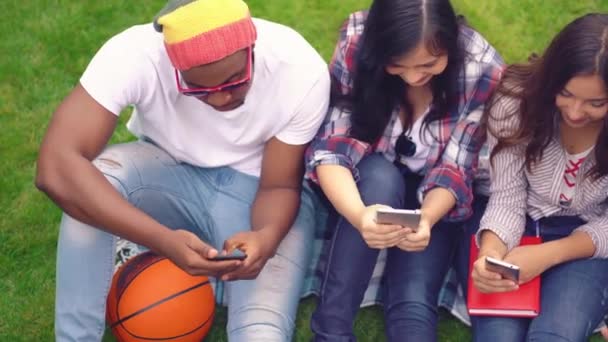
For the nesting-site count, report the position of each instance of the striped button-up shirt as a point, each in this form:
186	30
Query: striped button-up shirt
516	192
452	158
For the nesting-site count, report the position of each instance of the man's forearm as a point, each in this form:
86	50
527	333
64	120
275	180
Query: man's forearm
274	211
81	190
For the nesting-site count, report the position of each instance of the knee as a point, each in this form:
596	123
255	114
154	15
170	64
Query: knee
128	166
560	327
416	299
499	329
380	181
419	310
294	251
265	309
113	171
558	333
259	323
416	319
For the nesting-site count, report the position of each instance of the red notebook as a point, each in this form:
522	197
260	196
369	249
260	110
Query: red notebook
524	302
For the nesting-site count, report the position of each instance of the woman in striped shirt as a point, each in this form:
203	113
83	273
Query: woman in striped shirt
548	135
410	83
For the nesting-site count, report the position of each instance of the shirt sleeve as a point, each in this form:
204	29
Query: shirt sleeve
505	213
333	144
457	166
597	228
309	115
117	75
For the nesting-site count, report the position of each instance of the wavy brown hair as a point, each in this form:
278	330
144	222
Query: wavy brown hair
580	49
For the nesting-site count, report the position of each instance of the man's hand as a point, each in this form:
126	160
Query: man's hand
530	259
258	247
489	282
192	255
376	235
417	241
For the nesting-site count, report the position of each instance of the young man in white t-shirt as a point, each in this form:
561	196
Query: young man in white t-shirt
224	106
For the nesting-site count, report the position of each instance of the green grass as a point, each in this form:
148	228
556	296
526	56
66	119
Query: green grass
46	44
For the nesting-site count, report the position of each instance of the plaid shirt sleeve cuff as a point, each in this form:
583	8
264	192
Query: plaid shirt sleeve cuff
451	179
324	157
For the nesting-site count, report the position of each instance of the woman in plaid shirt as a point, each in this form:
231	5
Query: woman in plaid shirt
409	86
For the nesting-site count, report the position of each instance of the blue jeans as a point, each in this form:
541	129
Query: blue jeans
412	280
574	295
213	203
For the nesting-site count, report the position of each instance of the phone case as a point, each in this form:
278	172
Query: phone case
406	218
506	270
235	255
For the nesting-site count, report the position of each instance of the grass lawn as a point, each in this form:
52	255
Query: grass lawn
46	44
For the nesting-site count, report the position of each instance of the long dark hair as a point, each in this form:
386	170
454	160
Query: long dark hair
581	48
392	29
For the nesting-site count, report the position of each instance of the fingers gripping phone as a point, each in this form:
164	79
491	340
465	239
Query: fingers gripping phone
505	269
236	254
403	217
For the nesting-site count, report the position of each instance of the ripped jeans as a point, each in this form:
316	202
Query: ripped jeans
213	203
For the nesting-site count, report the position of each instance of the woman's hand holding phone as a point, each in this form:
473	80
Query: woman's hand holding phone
417	240
418	231
531	259
377	235
487	281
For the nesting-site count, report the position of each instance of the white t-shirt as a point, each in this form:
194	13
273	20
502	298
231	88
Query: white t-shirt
421	138
288	98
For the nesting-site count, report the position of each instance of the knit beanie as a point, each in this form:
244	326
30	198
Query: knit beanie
198	32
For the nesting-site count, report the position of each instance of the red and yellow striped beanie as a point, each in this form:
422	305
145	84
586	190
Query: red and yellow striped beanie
198	32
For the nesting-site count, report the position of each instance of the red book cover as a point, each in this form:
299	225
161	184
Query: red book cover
524	302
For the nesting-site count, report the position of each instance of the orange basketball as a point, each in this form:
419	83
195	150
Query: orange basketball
153	299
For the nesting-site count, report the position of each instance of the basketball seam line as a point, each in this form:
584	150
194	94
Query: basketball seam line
120	321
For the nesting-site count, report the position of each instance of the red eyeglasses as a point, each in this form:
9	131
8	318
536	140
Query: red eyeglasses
206	91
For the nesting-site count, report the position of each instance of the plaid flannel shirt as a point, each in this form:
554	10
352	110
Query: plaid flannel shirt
452	159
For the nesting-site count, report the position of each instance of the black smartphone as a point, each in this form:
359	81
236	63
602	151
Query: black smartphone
236	254
506	270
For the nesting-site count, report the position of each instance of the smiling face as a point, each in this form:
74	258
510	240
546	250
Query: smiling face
583	101
419	66
233	68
